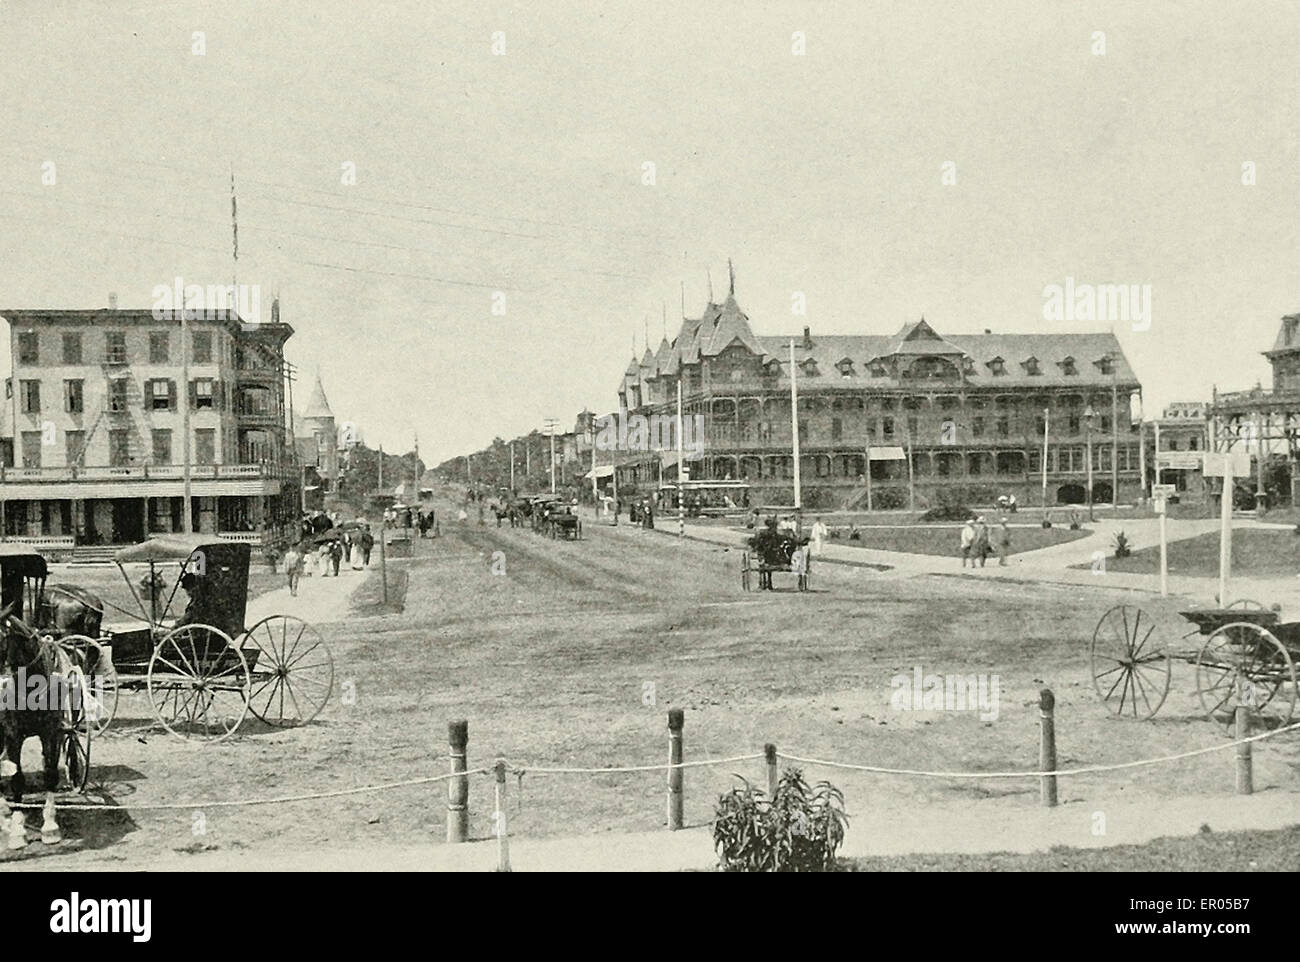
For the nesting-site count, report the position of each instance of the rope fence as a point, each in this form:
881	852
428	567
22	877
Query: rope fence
457	779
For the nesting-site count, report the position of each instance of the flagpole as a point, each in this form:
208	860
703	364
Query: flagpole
794	426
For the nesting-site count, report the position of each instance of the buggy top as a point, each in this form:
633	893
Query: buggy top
21	566
217	573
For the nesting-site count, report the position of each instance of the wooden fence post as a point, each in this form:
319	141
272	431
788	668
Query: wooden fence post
1245	772
1047	746
769	755
676	720
458	785
499	819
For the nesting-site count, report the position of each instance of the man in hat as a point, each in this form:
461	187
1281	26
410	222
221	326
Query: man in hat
1004	543
982	547
967	541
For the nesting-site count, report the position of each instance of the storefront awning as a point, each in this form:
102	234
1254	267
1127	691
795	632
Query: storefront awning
600	471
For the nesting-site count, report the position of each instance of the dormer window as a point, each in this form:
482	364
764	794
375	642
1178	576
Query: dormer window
997	367
1031	366
1106	364
809	367
845	367
877	368
1067	366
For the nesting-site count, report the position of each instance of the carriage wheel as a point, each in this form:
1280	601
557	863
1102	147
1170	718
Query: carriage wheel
1246	604
97	676
75	733
293	674
1130	670
198	683
744	571
1244	664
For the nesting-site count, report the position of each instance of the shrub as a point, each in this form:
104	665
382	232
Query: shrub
889	499
947	512
798	830
1122	548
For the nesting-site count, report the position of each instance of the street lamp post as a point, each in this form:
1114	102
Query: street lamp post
1088	415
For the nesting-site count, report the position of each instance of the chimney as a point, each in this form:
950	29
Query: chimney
987	331
807	338
112	301
275	310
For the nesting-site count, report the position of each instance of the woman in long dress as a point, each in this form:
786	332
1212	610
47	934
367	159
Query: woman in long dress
355	553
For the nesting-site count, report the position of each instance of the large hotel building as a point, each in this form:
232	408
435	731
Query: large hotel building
92	442
970	409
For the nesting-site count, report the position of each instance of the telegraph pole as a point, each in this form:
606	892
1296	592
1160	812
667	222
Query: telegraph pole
794	426
187	510
550	424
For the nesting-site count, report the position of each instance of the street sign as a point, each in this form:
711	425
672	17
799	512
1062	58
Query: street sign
1163	490
1217	461
1179	460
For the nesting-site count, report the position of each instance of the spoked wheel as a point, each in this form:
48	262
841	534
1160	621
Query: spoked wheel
744	571
293	671
198	683
1246	604
1130	668
1244	664
75	733
97	676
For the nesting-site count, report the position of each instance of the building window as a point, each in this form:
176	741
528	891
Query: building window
804	433
162	446
119	447
159	347
1074	424
30	396
1173	444
203	394
71	348
837	429
977	427
115	347
1067	366
74	396
998	367
1105	423
117	396
32	449
1031	367
1192	444
886	404
202	347
913	426
162	395
1004	427
29	350
76	448
887	428
1106	365
205	446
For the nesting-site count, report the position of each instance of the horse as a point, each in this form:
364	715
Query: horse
70	610
28	656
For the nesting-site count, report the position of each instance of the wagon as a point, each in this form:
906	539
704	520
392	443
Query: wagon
204	671
22	587
789	554
563	522
1243	655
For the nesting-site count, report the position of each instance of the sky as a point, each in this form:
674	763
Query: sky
945	160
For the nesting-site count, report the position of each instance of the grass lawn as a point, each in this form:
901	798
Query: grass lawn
1273	851
1257	552
945	539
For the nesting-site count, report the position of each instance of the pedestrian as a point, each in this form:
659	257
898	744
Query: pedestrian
1004	543
367	544
336	556
354	551
649	515
323	559
293	569
982	548
819	533
967	541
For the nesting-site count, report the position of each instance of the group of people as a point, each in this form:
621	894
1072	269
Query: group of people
978	541
309	558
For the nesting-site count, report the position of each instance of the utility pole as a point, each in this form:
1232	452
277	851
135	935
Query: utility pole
187	510
1114	438
681	466
512	469
1088	415
794	426
1047	432
550	424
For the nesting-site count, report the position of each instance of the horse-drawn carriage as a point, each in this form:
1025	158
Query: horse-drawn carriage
774	551
204	671
1244	655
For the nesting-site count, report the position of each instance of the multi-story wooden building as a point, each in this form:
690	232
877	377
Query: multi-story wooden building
1266	423
93	443
970	409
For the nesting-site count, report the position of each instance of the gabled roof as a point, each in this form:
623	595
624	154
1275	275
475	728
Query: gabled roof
921	338
726	325
1288	334
318	406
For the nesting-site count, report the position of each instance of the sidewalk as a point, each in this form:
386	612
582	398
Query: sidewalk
992	825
